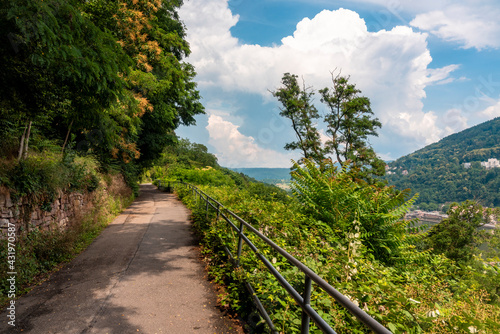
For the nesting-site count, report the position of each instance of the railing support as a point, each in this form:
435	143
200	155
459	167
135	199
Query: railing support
307	302
240	243
206	215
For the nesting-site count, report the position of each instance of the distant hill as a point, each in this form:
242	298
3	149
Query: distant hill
268	175
437	172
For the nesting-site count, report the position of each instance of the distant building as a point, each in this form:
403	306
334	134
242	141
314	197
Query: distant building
491	163
405	172
423	216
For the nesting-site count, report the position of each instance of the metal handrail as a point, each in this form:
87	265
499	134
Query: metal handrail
310	276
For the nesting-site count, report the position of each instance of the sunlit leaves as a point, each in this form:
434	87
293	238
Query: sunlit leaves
350	207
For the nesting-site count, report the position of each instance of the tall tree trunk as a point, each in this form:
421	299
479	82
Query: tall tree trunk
25	155
21	145
67	136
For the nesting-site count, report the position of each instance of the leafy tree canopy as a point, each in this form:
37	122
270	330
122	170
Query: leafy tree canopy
103	77
297	107
458	236
349	123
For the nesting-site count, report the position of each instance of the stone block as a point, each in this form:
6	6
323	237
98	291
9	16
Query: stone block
8	201
4	222
63	222
6	213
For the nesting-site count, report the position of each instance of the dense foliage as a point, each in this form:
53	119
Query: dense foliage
372	214
40	178
351	234
105	78
458	236
88	90
428	294
438	175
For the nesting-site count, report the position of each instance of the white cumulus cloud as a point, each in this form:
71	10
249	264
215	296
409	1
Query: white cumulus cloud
491	112
391	67
234	148
470	23
472	26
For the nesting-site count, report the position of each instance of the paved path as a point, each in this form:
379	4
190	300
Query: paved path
141	275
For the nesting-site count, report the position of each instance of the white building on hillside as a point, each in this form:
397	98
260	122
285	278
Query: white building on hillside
491	163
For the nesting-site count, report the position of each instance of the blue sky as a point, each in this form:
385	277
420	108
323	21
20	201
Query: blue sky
430	69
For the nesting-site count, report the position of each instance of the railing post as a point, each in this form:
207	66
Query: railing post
307	302
218	211
206	216
240	244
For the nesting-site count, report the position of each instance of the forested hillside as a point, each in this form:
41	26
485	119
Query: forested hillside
268	175
437	172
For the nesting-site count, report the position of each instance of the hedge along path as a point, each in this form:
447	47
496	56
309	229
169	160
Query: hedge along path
141	275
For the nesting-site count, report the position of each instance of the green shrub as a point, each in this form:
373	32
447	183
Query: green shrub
458	236
353	209
41	176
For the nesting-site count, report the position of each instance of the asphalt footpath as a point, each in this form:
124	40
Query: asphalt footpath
141	275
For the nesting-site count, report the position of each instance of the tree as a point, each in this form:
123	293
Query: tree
349	123
193	154
153	36
457	236
50	67
297	107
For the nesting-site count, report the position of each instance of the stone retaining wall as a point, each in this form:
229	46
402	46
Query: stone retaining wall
65	207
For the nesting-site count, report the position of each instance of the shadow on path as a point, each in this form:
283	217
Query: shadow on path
141	275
